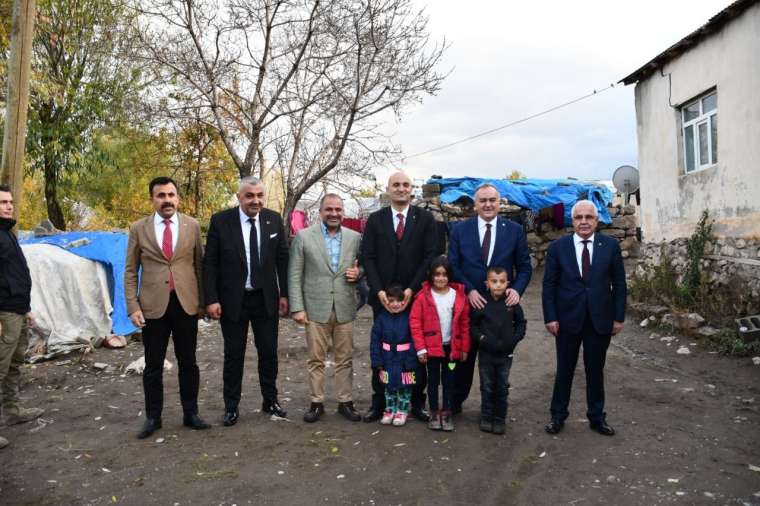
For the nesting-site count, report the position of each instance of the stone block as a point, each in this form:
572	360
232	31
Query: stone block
628	221
628	209
613	232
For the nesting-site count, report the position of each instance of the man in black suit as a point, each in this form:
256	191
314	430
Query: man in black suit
584	303
245	280
398	244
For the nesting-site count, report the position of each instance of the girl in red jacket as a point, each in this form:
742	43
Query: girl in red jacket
440	325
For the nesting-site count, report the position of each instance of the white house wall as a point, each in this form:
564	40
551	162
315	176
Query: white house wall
672	201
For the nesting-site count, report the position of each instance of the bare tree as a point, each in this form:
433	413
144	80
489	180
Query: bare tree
303	85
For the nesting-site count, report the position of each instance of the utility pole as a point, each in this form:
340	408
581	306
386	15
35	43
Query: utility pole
14	137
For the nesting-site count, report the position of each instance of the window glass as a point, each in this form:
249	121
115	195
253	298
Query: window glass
690	112
688	145
714	137
703	158
709	103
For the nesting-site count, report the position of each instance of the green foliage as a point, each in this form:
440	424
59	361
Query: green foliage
728	343
695	250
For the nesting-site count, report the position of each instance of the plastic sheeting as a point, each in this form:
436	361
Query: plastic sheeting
70	299
110	250
533	194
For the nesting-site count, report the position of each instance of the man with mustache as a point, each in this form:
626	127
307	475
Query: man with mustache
165	299
245	276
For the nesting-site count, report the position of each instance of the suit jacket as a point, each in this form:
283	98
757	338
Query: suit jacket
225	265
510	251
567	299
387	260
313	285
151	294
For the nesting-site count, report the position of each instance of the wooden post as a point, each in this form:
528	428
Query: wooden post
14	137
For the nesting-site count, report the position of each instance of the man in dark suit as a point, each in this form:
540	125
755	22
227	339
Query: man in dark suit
245	273
584	303
398	244
475	245
162	278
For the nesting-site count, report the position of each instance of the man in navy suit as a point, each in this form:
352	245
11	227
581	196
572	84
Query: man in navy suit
584	303
475	245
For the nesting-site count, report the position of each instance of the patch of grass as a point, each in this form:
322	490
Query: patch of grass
728	343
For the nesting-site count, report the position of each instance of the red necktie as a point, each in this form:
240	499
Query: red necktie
485	248
585	261
166	247
400	226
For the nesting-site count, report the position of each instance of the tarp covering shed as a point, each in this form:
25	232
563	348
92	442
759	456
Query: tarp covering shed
533	194
70	300
110	250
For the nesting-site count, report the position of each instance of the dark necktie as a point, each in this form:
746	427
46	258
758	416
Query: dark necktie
585	261
486	246
253	242
400	226
167	249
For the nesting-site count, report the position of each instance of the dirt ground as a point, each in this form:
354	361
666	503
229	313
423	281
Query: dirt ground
687	434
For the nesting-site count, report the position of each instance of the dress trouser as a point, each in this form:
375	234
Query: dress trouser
183	329
594	354
265	327
463	375
13	343
378	387
319	338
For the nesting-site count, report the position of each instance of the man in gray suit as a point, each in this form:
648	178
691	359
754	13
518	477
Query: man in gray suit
323	272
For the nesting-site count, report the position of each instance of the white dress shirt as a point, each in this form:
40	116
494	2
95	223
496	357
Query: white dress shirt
578	241
482	232
158	226
246	226
405	212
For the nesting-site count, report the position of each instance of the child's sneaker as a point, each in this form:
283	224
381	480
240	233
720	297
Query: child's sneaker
486	425
387	417
435	420
399	419
447	423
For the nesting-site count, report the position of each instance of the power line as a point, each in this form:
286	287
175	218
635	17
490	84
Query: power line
502	127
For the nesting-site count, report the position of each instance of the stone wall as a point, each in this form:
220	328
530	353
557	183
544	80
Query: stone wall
540	232
726	261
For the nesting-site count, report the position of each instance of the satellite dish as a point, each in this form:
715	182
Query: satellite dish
626	179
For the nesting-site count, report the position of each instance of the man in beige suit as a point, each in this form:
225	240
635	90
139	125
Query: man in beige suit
323	272
166	247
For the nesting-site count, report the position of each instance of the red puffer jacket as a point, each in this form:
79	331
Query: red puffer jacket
426	328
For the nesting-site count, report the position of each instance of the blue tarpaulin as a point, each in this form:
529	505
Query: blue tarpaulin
533	194
108	248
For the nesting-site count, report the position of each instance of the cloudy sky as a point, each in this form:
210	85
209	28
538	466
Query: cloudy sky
510	60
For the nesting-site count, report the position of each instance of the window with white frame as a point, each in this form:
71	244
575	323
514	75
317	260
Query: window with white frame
700	132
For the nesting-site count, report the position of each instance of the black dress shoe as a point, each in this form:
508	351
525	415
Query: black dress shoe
602	428
274	408
150	426
230	417
195	422
316	410
346	409
420	414
554	427
372	415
